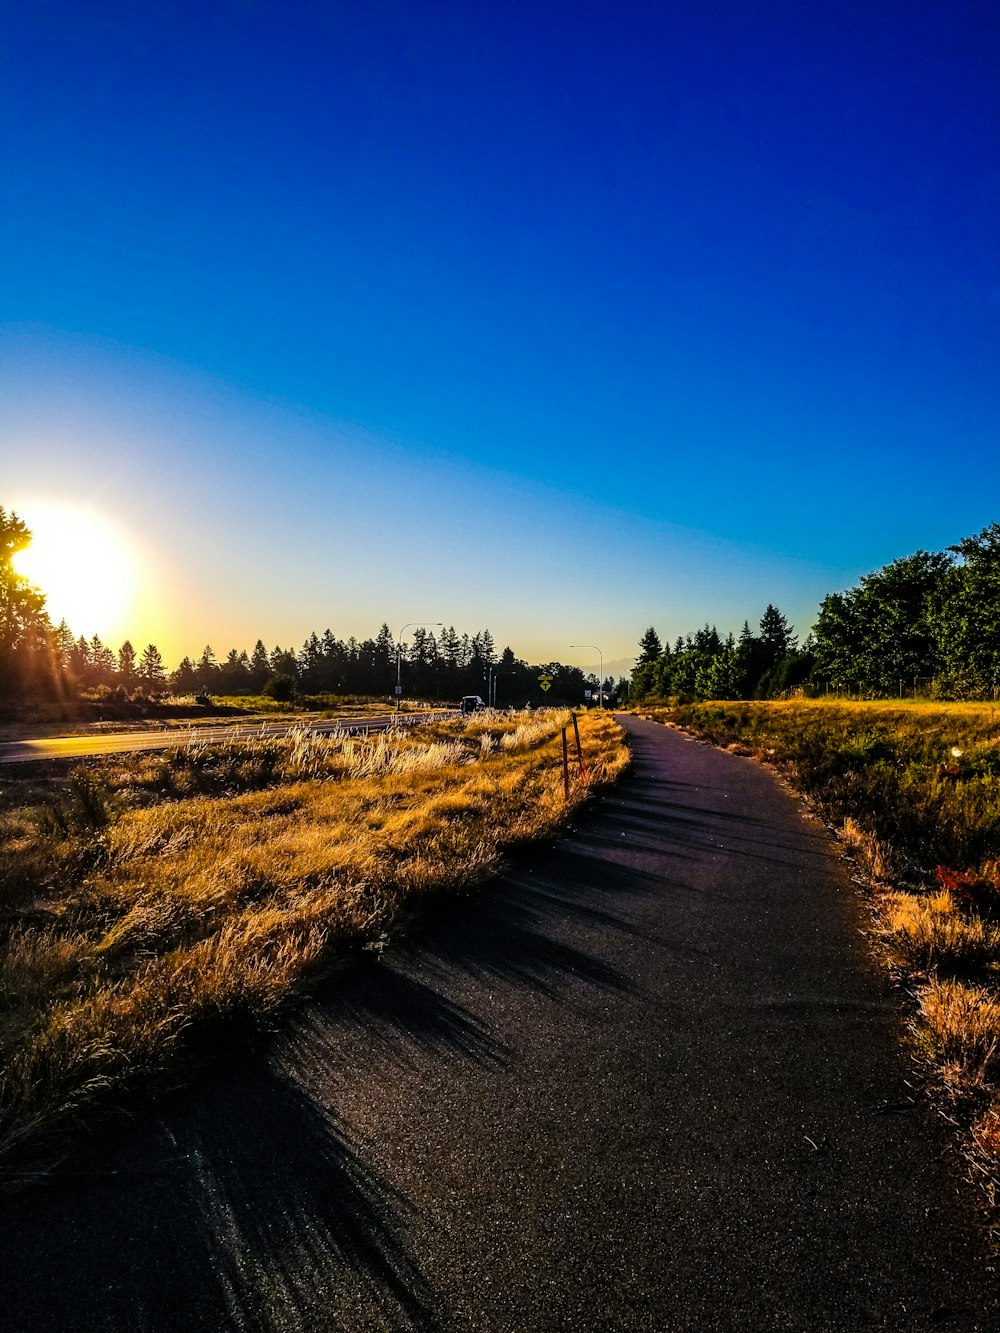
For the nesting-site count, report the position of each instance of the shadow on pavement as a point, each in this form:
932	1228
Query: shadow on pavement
247	1202
245	1206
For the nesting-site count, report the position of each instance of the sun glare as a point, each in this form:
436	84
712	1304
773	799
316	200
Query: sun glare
81	564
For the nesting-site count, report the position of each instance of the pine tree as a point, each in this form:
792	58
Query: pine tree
185	679
126	665
207	670
650	648
101	662
776	634
151	672
65	645
260	667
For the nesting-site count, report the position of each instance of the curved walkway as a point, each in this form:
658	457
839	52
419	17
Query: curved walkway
647	1080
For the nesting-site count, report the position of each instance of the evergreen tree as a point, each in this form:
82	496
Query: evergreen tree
233	675
260	667
151	672
647	675
384	662
707	640
284	663
101	664
650	648
185	679
80	660
207	671
126	666
64	646
311	663
776	635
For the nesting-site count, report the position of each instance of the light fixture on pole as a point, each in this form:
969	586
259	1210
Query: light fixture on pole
600	683
410	624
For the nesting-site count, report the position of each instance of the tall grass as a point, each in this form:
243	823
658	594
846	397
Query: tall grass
153	895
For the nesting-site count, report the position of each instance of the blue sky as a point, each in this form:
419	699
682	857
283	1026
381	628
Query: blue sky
557	319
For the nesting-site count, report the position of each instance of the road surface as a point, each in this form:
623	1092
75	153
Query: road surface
648	1080
130	742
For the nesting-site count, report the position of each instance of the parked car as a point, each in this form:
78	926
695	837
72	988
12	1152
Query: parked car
471	703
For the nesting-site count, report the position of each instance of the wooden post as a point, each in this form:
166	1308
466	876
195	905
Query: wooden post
579	749
565	764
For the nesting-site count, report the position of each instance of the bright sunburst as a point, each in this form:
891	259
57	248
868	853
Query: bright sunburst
80	563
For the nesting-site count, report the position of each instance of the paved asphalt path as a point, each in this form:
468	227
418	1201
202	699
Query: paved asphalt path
647	1080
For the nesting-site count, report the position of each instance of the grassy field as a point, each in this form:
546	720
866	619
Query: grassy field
147	898
914	791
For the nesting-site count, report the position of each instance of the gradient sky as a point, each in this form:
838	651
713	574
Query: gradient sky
557	319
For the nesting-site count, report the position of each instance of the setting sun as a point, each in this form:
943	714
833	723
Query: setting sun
81	564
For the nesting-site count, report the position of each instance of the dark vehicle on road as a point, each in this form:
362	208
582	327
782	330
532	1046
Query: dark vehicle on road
471	703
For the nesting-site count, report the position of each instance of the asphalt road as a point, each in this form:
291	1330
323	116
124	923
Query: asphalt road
647	1080
130	742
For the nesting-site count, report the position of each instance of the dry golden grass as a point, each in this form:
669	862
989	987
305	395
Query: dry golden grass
928	931
965	1022
215	881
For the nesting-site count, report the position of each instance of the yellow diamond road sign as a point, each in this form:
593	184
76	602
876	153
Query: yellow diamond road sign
545	682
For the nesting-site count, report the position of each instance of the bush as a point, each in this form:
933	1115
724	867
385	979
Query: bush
280	688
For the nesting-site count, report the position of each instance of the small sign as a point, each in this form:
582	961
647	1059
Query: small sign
399	689
586	694
545	682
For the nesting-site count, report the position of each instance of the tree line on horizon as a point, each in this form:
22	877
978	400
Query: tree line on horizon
927	624
40	660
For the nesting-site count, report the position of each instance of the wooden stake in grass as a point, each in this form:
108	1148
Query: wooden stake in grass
565	764
579	748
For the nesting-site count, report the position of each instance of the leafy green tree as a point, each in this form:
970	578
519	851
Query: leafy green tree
963	614
720	676
280	687
24	627
839	636
894	604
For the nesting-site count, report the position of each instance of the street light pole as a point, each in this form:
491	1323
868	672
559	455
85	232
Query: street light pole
600	683
410	624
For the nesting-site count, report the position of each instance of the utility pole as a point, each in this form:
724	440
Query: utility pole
600	683
410	624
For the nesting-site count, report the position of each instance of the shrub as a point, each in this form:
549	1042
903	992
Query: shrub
280	688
